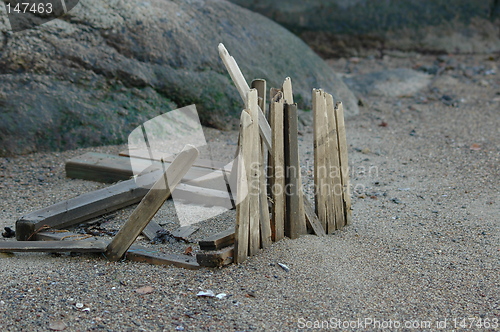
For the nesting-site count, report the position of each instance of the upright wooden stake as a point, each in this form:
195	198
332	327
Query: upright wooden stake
335	191
254	165
241	236
278	159
265	219
287	91
320	140
344	162
295	222
151	203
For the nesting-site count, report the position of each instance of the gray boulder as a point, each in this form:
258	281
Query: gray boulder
347	27
91	76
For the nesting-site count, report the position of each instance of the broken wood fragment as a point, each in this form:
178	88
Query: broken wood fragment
151	203
217	258
218	241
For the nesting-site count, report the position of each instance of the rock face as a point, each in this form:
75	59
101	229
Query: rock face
340	27
94	74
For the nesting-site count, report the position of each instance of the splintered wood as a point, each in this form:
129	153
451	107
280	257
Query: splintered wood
292	214
331	177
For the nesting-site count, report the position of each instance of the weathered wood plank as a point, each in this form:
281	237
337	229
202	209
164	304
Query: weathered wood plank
151	203
82	208
320	140
216	259
242	230
344	162
53	246
145	255
287	91
254	165
336	191
243	88
184	232
109	168
218	241
265	219
145	154
295	223
278	168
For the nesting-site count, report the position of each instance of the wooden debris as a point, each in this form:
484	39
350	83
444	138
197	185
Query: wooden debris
141	254
52	246
295	223
320	145
344	162
109	168
277	165
242	229
336	192
243	88
150	204
218	241
312	220
184	232
254	181
217	258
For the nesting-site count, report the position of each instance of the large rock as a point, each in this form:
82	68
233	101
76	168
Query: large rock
340	27
91	76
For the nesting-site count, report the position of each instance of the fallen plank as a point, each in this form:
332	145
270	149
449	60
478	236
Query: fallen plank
218	241
216	259
151	203
81	208
201	163
53	246
145	255
62	236
109	168
134	253
184	232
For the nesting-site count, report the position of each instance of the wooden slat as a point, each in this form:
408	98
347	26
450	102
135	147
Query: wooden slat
329	198
218	241
52	246
216	259
140	254
134	253
313	220
333	154
184	232
295	223
344	162
243	88
145	154
320	140
254	165
108	168
278	168
287	91
151	203
242	229
82	208
265	219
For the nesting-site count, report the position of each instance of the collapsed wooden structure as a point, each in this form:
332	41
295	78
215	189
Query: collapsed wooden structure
270	201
